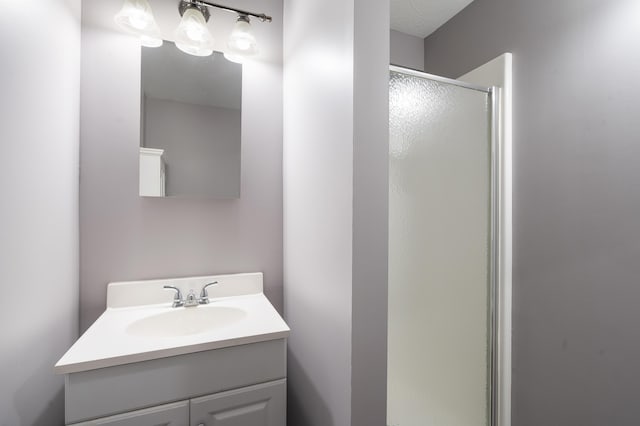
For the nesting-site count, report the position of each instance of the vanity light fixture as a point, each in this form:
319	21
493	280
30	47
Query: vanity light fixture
192	35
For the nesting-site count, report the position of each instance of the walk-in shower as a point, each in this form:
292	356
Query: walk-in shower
443	251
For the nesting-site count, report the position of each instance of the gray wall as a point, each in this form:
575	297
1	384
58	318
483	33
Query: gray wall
126	237
39	107
576	353
370	213
335	210
407	50
202	147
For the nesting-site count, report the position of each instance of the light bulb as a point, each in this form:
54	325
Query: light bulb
138	20
192	35
242	41
136	16
243	45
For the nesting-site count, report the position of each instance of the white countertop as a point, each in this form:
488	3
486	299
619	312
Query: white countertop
109	341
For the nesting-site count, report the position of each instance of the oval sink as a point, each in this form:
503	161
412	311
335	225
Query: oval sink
185	321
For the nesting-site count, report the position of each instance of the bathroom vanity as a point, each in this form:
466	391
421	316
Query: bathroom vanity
145	362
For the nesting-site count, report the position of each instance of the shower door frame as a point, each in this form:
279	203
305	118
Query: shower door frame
495	372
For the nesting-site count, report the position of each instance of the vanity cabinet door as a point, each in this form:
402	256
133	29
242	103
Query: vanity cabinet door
176	414
259	405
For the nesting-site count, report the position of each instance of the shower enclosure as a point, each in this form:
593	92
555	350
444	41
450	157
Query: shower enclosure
443	225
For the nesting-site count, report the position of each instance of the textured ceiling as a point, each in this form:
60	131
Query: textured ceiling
422	17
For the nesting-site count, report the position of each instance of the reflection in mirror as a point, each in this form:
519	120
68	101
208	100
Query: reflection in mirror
190	124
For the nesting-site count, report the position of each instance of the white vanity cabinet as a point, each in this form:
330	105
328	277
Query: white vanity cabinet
241	385
147	361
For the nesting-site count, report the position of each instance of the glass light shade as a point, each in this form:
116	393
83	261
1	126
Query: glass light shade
150	41
152	38
242	41
238	59
192	35
136	16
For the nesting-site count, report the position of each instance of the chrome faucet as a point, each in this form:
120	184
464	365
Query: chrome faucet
177	298
191	299
204	295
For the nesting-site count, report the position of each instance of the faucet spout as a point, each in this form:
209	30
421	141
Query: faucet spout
191	300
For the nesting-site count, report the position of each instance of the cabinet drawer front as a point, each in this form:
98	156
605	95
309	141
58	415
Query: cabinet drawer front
259	405
176	414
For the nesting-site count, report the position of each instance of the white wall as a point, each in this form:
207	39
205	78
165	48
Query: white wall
318	187
335	144
39	109
407	50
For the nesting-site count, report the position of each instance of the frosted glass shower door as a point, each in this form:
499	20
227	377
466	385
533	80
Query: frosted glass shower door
439	274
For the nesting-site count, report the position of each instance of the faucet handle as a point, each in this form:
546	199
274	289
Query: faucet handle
204	295
177	298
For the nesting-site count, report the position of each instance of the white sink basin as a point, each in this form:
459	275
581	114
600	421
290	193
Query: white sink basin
186	321
139	323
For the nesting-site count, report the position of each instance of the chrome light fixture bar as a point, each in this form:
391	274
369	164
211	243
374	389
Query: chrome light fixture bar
261	16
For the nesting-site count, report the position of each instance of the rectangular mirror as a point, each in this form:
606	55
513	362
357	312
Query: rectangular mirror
190	124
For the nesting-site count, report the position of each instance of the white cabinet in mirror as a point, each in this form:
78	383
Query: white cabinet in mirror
191	124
